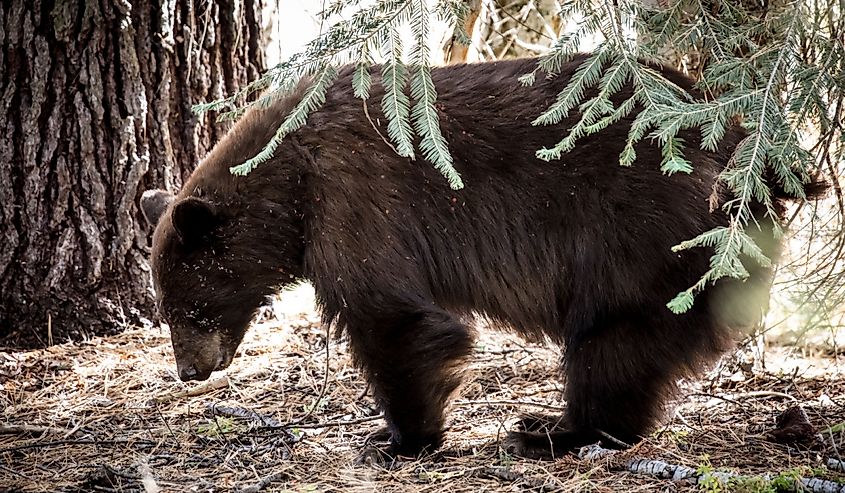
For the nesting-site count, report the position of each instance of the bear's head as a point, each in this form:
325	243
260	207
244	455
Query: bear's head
208	280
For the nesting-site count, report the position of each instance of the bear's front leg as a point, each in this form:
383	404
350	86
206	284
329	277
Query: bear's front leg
412	355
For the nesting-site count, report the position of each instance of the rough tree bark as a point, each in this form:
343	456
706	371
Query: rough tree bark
95	101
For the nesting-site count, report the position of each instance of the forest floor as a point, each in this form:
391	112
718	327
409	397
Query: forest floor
109	414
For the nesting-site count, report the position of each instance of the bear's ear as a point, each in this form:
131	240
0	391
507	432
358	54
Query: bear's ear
194	218
154	203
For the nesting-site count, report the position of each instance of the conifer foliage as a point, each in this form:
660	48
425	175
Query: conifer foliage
775	67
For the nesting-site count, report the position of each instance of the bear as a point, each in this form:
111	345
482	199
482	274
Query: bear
575	252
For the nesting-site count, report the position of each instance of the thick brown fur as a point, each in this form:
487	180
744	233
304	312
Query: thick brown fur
576	252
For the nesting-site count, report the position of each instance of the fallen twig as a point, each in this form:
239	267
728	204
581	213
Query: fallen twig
56	443
209	386
240	412
13	472
265	481
501	473
676	472
764	393
325	374
611	438
329	424
34	430
511	403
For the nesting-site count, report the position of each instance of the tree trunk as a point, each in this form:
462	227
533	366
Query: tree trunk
95	107
454	50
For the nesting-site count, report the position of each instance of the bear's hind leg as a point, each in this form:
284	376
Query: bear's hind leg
618	378
412	355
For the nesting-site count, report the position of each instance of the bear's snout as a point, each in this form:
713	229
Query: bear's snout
206	355
196	370
187	373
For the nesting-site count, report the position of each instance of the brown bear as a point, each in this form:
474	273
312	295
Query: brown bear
576	252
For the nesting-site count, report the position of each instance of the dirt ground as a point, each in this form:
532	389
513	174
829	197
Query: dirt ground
109	414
